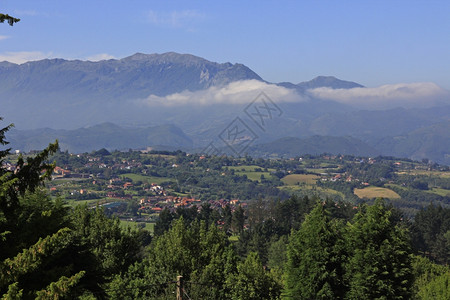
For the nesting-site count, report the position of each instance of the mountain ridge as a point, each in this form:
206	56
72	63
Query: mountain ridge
73	94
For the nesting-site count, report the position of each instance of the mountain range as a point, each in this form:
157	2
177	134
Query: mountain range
181	100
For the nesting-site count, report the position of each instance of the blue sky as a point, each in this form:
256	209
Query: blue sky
370	42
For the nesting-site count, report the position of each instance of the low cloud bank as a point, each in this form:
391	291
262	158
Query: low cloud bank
238	92
421	94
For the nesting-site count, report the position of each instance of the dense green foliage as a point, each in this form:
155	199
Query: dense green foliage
431	233
314	267
369	258
379	262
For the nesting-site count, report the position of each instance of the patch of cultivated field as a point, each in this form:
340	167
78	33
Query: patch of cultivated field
147	226
294	179
248	168
375	192
146	179
440	192
440	174
249	171
296	188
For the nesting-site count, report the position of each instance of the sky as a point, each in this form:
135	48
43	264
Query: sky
373	43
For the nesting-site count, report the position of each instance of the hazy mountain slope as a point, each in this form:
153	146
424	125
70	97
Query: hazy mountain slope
105	135
291	146
378	123
432	142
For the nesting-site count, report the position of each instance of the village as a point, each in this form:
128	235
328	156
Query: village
138	185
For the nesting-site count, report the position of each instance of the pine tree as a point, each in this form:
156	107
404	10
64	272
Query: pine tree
379	266
238	220
252	281
314	268
33	237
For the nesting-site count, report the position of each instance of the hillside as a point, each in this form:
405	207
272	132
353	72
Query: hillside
428	142
291	147
106	135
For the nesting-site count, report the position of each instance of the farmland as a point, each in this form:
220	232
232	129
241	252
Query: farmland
376	192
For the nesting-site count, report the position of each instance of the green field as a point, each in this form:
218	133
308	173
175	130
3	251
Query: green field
249	171
248	168
164	156
320	171
375	192
440	192
426	173
321	190
295	179
125	224
145	179
92	202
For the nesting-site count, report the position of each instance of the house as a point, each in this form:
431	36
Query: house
127	185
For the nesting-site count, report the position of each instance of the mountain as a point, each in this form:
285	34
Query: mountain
291	147
106	135
151	96
321	81
135	76
74	93
328	81
431	142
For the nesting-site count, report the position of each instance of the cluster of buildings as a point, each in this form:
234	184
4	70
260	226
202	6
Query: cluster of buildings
155	204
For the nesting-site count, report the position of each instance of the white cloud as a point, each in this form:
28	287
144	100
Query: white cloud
3	37
421	94
238	92
176	19
24	56
100	56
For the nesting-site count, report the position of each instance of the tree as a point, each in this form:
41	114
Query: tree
227	216
112	249
431	232
252	282
314	268
238	220
9	19
379	264
38	216
436	288
201	254
27	176
163	222
22	179
432	281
